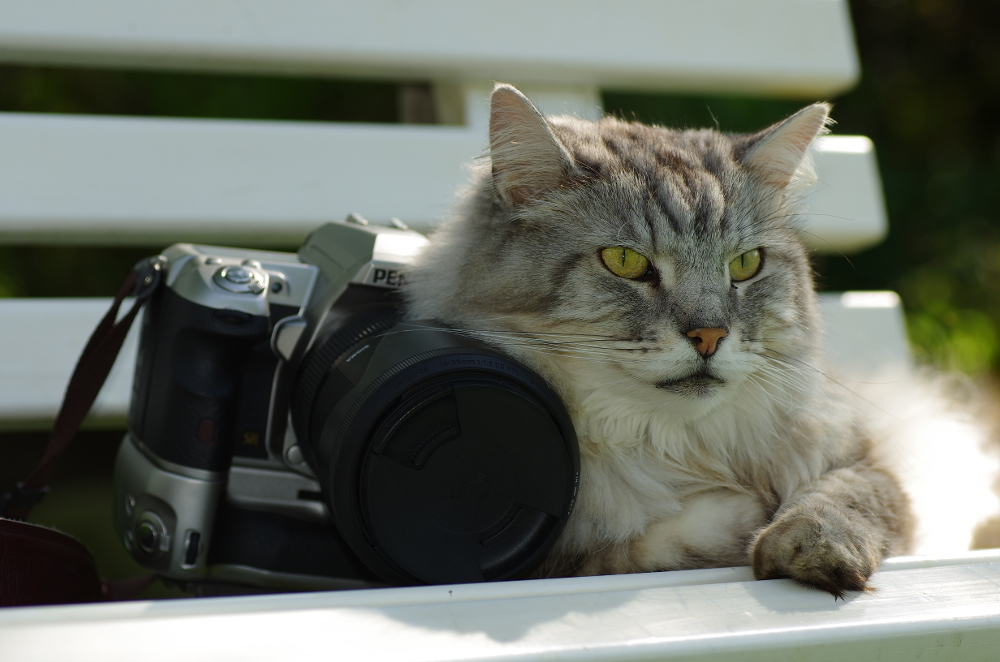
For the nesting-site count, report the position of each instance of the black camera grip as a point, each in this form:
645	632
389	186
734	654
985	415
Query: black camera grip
189	378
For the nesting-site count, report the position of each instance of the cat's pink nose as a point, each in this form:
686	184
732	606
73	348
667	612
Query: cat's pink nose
706	340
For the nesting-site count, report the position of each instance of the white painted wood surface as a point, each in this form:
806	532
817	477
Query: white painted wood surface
865	335
112	180
926	609
772	47
43	338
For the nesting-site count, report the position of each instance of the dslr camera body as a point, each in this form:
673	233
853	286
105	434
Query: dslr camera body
288	430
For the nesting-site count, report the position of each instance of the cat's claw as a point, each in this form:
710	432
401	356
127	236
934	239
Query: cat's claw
827	550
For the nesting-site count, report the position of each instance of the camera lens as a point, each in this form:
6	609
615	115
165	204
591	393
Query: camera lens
441	459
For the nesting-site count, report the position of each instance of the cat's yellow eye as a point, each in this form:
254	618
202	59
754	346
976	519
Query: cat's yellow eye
745	266
624	262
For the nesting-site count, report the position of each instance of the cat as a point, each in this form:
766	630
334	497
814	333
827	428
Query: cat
657	279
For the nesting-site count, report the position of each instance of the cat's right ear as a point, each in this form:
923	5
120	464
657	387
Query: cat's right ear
778	153
527	157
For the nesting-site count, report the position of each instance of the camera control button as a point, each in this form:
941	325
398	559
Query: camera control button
240	280
286	335
191	548
236	275
148	537
294	455
150	534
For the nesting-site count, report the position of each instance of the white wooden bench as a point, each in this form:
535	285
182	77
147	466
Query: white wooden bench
117	180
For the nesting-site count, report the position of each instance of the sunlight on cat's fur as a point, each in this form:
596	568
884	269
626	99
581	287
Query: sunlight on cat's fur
942	447
657	279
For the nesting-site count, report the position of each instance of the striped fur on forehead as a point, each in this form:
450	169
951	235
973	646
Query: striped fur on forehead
689	180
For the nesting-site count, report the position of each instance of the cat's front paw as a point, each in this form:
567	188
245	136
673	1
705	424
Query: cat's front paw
826	549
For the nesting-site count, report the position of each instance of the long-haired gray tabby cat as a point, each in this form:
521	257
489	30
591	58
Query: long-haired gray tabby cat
657	279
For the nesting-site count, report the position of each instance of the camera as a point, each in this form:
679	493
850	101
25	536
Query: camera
290	429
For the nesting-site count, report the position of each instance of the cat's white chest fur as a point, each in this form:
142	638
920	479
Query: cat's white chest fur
649	475
673	482
659	523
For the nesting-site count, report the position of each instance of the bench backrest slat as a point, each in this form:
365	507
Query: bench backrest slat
102	180
773	47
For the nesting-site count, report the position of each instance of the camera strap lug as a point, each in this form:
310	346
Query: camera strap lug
22	497
149	274
88	377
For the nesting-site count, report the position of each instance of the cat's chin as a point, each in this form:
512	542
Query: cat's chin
697	385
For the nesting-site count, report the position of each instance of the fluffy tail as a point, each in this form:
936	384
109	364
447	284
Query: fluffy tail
940	434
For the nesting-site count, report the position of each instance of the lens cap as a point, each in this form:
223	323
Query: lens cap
447	462
475	473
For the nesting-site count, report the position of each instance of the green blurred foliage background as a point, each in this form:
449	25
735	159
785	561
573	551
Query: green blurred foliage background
929	98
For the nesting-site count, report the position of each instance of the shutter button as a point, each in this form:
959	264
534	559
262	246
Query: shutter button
236	275
240	280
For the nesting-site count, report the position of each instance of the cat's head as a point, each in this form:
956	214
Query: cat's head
663	263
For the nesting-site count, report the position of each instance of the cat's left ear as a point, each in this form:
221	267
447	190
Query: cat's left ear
527	157
777	152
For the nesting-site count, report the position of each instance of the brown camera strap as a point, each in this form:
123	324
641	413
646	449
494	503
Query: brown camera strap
43	567
38	565
88	377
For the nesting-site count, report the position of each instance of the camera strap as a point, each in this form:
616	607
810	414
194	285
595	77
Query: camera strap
38	565
88	377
